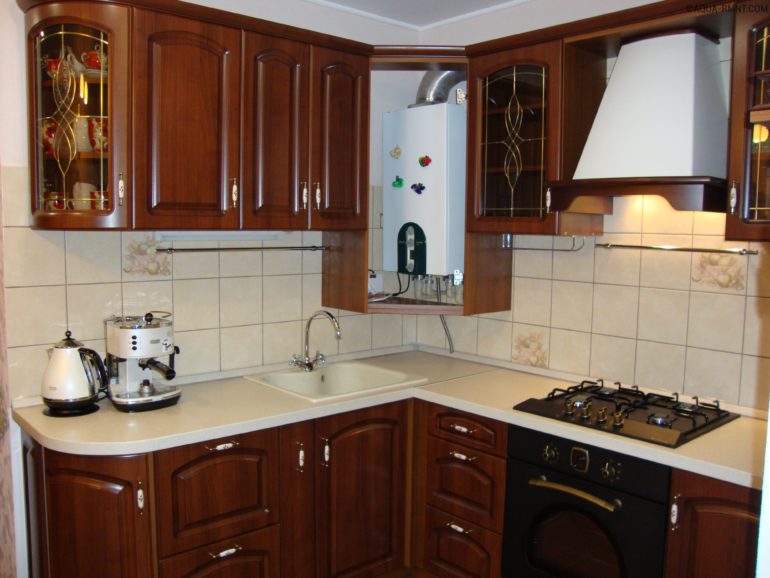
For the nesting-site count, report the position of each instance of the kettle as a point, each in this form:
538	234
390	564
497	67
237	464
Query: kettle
74	378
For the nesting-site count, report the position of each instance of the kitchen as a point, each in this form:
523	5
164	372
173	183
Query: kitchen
577	306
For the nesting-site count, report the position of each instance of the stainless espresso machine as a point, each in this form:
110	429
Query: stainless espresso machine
134	344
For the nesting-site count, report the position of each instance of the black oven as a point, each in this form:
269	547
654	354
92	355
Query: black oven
578	511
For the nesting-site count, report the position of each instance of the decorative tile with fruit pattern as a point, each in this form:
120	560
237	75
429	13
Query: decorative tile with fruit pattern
723	272
529	349
142	257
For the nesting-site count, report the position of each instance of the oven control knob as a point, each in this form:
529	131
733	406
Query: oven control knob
550	453
610	471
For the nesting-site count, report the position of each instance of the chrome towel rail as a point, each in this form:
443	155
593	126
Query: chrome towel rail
208	249
730	251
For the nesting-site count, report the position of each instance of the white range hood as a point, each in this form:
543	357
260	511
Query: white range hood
662	125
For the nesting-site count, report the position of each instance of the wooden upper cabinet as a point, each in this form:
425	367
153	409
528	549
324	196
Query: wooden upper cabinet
716	529
514	138
186	123
275	136
79	110
749	151
339	140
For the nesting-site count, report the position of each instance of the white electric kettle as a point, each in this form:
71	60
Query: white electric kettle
74	379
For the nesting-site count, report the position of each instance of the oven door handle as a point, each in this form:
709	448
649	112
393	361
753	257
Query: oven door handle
542	482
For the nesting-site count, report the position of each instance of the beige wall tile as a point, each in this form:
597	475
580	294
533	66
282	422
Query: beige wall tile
712	375
89	305
356	333
658	216
756	336
626	216
283	262
198	352
196	304
464	332
613	358
758	272
387	330
617	266
533	263
410	329
311	295
530	345
663	315
667	270
716	321
707	223
755	382
240	263
93	257
572	305
26	366
17	204
33	257
204	265
615	310
240	301
35	315
574	266
280	341
241	347
311	260
570	351
660	365
532	301
144	296
430	331
495	339
281	298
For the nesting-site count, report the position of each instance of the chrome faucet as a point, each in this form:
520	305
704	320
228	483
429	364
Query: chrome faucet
304	361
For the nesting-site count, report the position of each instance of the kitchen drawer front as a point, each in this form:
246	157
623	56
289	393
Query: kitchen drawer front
214	490
466	483
255	555
465	428
455	548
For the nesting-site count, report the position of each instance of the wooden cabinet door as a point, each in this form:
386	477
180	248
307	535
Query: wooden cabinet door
510	162
715	534
747	163
98	519
275	136
186	123
216	490
457	549
253	555
339	140
360	492
297	478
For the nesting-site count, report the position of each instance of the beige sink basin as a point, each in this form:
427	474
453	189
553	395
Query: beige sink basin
337	380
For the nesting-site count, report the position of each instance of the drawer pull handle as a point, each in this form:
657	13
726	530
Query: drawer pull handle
226	553
327	453
222	447
140	498
457	528
300	457
461	457
461	429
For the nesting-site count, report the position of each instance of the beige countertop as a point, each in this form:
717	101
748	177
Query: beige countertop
215	409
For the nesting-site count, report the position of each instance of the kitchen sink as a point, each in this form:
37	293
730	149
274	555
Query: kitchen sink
337	380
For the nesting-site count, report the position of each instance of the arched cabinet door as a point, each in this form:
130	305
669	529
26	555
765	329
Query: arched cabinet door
186	123
339	140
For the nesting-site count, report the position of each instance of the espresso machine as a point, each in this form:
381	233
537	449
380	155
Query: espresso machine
134	344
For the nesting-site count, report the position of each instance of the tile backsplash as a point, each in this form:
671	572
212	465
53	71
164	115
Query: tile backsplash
692	322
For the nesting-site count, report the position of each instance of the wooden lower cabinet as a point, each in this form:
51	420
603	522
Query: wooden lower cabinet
360	492
716	530
89	515
252	555
458	549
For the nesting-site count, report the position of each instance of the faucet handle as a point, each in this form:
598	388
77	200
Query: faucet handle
319	357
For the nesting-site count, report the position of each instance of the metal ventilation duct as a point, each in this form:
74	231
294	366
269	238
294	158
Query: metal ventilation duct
435	86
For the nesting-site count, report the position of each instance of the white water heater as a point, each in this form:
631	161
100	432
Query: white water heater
423	189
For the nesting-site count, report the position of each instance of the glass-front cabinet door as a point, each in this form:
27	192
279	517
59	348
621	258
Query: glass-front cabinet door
515	120
78	116
749	165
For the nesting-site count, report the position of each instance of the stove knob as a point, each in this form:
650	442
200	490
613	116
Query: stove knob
569	407
618	419
550	453
585	412
602	416
608	471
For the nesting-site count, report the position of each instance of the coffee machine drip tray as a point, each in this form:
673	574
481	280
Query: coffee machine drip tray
143	400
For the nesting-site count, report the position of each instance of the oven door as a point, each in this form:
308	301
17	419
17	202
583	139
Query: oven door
560	526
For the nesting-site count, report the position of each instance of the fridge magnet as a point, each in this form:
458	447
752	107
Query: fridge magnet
418	188
424	161
398	183
396	152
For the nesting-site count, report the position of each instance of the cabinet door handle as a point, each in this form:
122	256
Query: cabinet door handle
733	196
140	497
327	453
548	200
223	447
457	428
304	195
458	528
234	193
674	513
461	457
121	189
225	553
318	196
300	457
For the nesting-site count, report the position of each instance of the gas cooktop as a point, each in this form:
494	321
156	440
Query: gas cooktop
629	411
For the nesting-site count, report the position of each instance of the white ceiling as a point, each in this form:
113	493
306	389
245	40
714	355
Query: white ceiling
419	14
